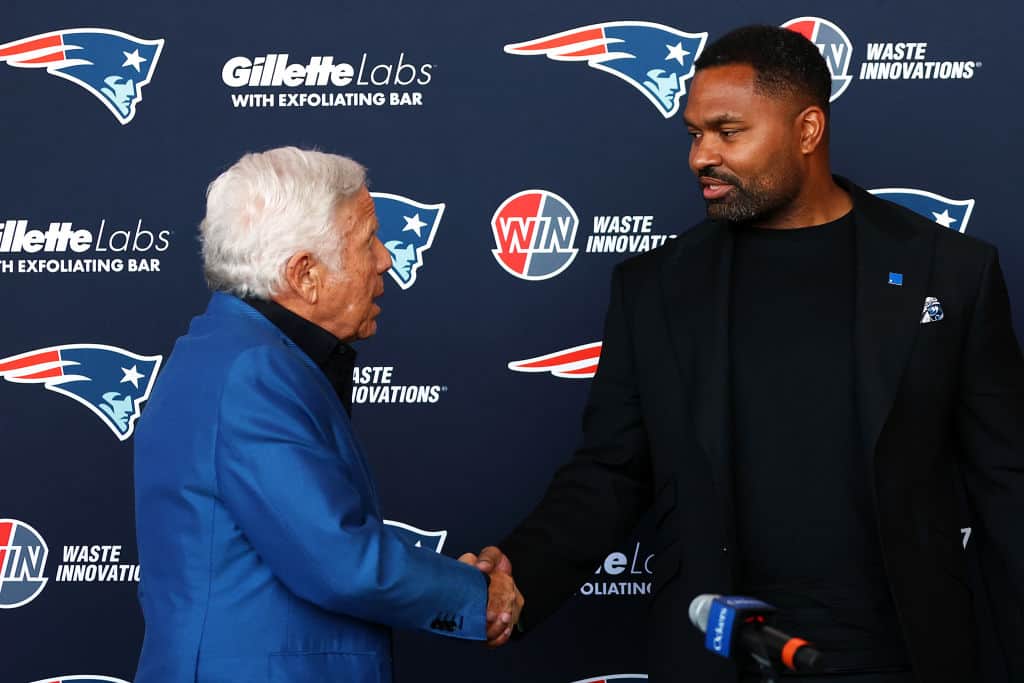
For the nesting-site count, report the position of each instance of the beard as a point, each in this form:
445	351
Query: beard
753	200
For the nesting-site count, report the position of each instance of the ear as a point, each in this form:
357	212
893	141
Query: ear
812	123
304	275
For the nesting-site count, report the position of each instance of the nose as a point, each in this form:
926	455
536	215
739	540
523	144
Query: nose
383	257
703	153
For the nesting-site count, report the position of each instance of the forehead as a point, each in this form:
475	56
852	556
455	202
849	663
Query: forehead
357	212
728	89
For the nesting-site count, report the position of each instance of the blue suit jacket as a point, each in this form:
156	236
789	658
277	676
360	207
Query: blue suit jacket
262	551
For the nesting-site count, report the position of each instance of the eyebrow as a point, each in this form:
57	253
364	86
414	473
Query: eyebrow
716	121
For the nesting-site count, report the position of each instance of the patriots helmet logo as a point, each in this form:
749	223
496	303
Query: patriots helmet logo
109	381
112	65
579	362
419	538
655	59
616	678
407	229
83	679
949	213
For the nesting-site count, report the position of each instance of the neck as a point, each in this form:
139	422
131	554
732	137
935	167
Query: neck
819	201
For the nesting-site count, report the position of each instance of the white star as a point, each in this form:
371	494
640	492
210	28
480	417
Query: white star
419	544
134	59
132	375
415	224
944	219
676	52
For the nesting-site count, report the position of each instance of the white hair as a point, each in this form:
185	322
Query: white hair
269	206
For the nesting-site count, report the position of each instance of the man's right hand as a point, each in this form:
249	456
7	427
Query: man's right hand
504	601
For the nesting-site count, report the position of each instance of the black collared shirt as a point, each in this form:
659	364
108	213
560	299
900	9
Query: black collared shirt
334	357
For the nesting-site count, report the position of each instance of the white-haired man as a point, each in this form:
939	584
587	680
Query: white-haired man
260	537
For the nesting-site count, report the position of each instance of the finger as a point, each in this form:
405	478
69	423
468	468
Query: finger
495	629
492	558
501	639
467	558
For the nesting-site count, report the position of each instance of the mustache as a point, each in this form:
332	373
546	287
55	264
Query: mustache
711	172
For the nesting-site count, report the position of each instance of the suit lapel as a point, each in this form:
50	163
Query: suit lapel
888	315
696	286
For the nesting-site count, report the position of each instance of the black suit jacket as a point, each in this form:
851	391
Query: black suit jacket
941	406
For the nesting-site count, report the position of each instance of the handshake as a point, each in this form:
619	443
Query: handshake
504	601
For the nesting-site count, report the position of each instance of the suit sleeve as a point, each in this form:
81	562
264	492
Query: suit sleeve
303	506
991	429
597	498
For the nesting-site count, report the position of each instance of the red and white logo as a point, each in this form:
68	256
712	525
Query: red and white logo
579	362
535	234
22	563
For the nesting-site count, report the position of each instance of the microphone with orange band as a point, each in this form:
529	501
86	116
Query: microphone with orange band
734	622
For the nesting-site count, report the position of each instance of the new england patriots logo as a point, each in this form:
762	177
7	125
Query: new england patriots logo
111	382
407	229
949	213
616	678
112	65
418	538
579	362
83	679
655	59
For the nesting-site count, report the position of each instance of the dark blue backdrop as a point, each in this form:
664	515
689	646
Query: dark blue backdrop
491	124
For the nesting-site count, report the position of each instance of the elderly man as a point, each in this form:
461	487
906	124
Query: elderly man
260	536
797	388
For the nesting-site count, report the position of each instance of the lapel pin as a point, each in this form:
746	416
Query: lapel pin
932	311
896	279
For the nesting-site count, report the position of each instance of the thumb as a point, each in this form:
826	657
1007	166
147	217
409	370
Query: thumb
492	559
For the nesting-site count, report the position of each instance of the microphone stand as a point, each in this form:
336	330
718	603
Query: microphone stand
769	674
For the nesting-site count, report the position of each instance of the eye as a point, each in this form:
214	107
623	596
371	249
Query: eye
693	134
729	133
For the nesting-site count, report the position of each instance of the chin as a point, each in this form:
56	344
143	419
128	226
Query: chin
368	330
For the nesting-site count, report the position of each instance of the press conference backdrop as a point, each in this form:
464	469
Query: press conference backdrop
517	151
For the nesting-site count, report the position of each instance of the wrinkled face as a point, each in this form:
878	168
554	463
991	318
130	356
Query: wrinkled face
745	148
346	306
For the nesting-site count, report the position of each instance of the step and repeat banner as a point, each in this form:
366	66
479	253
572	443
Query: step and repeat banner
516	151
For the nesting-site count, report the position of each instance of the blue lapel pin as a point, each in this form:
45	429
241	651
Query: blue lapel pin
896	279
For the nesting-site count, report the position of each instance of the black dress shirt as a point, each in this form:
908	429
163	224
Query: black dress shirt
334	357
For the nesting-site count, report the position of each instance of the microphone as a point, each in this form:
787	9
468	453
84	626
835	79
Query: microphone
740	621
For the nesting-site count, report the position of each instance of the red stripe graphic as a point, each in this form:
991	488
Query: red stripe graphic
31	44
577	362
588	371
544	44
43	374
51	356
586	353
587	52
54	57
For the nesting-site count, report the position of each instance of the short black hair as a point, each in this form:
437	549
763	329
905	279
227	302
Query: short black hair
784	61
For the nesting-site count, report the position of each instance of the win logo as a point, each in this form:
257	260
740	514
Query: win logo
535	234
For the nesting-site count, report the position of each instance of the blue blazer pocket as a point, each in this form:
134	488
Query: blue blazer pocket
329	667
